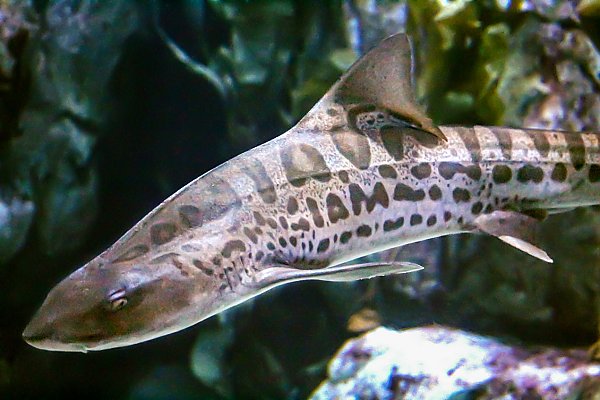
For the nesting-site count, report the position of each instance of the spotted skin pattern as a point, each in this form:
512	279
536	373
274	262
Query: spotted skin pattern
363	171
322	208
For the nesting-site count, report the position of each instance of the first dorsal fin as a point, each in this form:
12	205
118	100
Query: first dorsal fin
383	77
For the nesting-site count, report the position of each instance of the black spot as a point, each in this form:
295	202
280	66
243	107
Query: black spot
387	171
162	233
364	231
292	205
259	255
345	237
323	245
477	207
271	246
594	173
530	173
293	241
504	141
357	197
447	216
272	223
421	171
576	149
132	253
501	174
283	222
404	192
344	176
302	162
191	216
448	169
469	138
416	219
435	193
198	264
314	210
354	146
460	194
259	218
216	200
251	235
473	172
301	225
540	141
335	208
431	220
262	182
282	242
379	196
231	246
559	173
390	225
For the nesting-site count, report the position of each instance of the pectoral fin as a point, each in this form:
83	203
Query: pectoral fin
279	275
516	229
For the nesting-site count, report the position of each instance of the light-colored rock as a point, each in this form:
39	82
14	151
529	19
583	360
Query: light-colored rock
439	363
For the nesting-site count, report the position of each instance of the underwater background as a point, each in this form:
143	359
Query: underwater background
108	107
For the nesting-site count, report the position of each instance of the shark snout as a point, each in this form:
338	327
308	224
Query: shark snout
37	332
41	333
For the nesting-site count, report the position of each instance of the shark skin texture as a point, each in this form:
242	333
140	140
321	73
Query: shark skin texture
365	170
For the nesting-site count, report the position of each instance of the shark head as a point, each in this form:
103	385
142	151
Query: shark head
104	305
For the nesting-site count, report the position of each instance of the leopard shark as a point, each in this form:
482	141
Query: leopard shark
364	170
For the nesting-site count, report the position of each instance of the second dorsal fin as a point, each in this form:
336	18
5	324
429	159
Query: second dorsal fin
383	77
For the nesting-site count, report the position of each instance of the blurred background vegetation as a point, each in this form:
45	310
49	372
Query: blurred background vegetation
106	108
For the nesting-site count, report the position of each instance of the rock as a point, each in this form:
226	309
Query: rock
51	111
15	219
549	9
440	363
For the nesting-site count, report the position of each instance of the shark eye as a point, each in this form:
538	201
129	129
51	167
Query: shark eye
117	300
118	304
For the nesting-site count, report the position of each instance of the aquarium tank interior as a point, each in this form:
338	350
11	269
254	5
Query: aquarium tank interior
107	108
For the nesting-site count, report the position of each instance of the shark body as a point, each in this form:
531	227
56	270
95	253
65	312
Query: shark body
363	171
